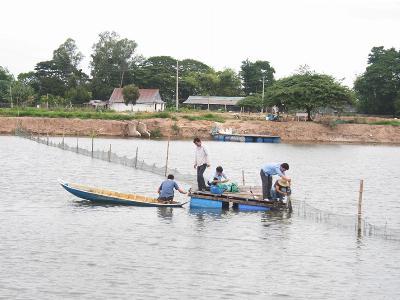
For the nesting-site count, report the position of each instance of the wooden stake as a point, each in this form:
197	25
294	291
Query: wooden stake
109	154
243	178
136	158
77	145
360	195
92	144
166	161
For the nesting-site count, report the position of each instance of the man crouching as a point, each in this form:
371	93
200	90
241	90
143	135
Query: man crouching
166	189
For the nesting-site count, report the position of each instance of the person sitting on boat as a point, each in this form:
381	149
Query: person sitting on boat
166	189
216	188
280	190
219	176
266	174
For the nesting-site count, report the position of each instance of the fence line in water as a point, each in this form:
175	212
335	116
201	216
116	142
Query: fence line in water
306	211
110	156
301	208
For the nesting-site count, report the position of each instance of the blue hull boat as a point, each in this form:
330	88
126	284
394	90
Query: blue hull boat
246	138
111	197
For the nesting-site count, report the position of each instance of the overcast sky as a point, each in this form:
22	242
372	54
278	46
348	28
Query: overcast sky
332	37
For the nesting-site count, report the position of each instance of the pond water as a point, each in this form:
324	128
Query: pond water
55	246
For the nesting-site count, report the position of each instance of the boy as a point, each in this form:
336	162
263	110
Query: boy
166	189
219	176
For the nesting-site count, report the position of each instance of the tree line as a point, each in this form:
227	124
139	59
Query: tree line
114	62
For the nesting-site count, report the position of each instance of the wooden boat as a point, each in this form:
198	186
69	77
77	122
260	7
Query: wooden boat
242	201
246	138
111	197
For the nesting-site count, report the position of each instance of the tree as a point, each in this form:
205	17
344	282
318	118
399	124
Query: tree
252	75
252	103
309	91
229	83
131	94
22	93
158	72
112	60
378	88
78	95
6	78
60	74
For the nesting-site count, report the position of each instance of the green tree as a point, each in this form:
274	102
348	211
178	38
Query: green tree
229	83
112	60
22	93
78	95
158	72
252	74
131	93
378	88
252	103
6	78
59	74
309	91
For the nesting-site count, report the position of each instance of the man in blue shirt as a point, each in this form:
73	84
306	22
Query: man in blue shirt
166	189
266	174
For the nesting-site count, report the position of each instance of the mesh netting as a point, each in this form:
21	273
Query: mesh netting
301	209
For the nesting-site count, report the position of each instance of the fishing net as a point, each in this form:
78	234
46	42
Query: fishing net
301	209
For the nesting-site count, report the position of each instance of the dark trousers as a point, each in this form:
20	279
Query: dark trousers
200	178
266	185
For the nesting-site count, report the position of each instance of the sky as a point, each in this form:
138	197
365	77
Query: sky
331	37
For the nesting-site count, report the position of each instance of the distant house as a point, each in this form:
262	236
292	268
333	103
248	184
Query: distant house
214	102
97	104
149	100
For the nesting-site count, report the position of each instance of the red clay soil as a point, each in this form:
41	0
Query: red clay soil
292	131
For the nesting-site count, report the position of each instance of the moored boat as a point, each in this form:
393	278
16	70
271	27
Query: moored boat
246	138
112	197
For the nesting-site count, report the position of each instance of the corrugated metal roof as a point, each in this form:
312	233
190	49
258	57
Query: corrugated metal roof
213	100
146	96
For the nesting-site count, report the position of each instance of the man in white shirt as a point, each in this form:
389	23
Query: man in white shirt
201	162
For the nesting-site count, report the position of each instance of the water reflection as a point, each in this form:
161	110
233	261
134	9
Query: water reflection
165	212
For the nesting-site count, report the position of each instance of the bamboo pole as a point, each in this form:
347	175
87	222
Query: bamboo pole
92	144
243	178
359	218
63	141
166	161
77	145
109	153
47	139
136	158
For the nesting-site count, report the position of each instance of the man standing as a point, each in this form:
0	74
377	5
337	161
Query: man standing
266	174
201	162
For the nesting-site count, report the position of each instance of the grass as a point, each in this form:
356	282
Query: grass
392	123
206	117
79	114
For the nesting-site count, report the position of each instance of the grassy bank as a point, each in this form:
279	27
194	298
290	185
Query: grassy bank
79	114
104	115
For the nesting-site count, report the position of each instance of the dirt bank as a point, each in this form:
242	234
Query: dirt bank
295	132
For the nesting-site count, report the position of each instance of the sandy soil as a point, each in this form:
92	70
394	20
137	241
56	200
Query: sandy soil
292	131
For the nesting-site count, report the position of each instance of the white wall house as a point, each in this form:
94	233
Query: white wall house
149	100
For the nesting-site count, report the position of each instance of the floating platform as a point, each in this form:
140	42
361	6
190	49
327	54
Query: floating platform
246	138
242	201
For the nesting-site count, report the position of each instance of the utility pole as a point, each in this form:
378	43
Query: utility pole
262	109
177	85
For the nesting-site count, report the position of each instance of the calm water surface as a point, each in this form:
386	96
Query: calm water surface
54	247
